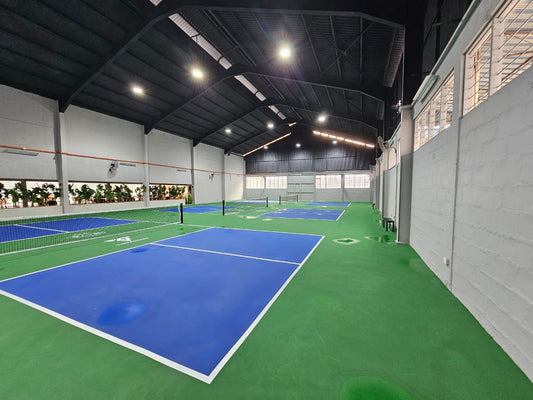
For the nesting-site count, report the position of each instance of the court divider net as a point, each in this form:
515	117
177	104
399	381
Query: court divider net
236	206
22	234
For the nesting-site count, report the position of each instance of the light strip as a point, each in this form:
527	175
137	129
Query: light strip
215	54
343	139
266	144
21	152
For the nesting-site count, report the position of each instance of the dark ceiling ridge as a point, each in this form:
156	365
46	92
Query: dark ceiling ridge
227	150
255	107
236	70
169	7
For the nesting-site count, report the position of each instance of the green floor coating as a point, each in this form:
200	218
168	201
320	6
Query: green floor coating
363	319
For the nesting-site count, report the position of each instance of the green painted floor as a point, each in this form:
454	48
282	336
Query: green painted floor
361	320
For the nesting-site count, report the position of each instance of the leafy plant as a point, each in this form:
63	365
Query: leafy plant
84	193
22	193
108	193
99	193
127	193
173	192
140	191
188	200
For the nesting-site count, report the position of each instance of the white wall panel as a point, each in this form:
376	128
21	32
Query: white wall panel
26	120
167	149
207	186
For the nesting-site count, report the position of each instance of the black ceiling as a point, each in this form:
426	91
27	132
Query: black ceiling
90	53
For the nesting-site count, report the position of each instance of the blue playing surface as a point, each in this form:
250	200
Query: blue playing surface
306	213
196	209
37	229
189	306
327	204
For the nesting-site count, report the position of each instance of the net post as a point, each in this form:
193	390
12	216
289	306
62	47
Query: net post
297	197
223	207
280	200
181	213
267	201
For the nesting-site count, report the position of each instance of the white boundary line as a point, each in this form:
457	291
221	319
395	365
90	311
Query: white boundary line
225	254
92	258
36	227
341	214
314	219
253	230
143	351
112	338
241	340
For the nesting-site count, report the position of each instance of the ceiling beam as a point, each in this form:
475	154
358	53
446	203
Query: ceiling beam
373	91
227	150
372	122
236	70
250	110
169	7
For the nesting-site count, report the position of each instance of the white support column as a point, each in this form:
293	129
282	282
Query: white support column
146	180
193	166
223	178
60	140
406	175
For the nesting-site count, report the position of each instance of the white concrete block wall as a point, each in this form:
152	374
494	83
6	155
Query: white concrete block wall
26	120
207	186
492	260
390	195
493	255
167	149
234	181
95	134
310	193
31	121
432	201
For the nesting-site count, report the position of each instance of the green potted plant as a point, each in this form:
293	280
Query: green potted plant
84	194
15	196
140	191
99	193
3	195
56	191
22	192
117	191
188	200
173	192
108	193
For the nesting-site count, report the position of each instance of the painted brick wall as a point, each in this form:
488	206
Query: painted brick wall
493	256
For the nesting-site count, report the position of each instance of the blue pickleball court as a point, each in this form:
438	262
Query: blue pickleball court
327	204
306	213
13	232
187	302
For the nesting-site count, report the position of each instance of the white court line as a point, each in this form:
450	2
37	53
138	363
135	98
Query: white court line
111	338
340	215
223	253
42	229
143	351
241	340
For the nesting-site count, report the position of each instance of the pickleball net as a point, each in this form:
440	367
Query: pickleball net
236	206
288	198
22	234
